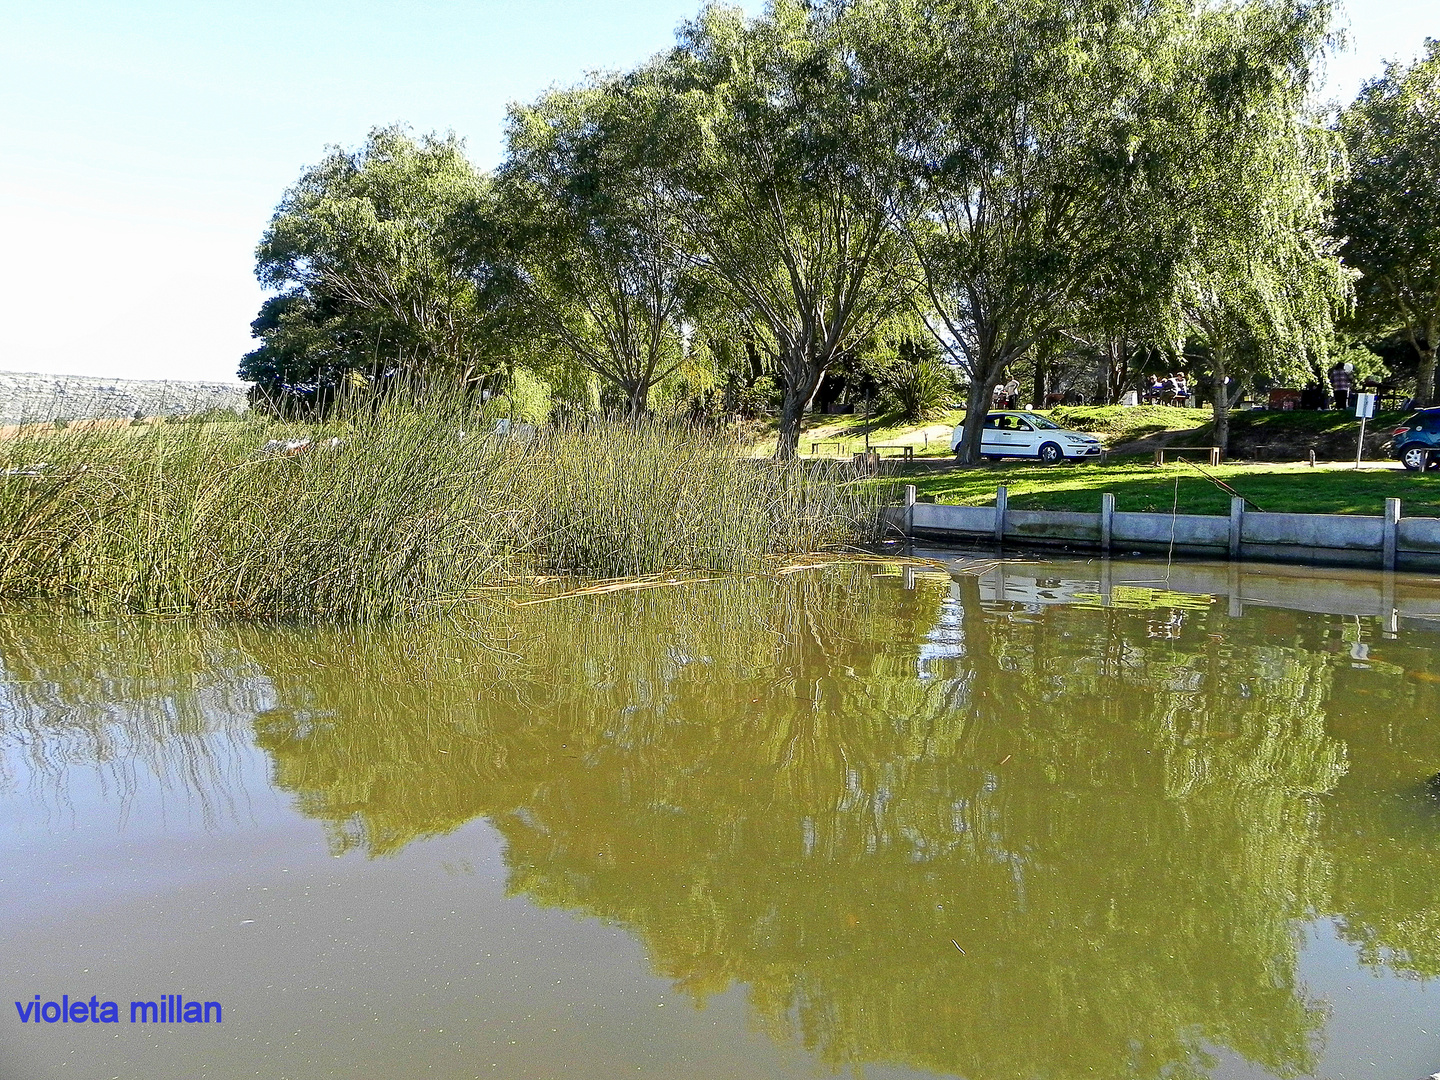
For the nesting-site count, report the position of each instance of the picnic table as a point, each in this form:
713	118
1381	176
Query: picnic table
908	451
1211	452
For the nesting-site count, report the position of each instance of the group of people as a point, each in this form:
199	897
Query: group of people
1174	389
1006	395
1169	389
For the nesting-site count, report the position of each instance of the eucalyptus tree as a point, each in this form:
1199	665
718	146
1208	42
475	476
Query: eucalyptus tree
1387	212
369	243
785	184
595	233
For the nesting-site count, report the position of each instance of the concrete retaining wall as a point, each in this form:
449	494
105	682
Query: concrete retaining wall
1386	542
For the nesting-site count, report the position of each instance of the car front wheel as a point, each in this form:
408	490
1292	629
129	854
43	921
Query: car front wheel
1050	453
1414	458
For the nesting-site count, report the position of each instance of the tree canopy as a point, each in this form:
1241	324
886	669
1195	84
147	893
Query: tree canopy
595	232
366	250
1387	212
1018	178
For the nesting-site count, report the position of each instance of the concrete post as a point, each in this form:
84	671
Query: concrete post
1392	530
909	510
1237	603
1107	583
1237	522
1107	520
1001	498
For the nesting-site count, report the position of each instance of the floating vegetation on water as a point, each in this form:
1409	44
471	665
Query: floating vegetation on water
1140	598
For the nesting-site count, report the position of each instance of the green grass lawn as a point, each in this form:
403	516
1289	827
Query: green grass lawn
841	436
845	435
1141	486
1116	424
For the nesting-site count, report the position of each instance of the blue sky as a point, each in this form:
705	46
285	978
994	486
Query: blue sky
144	144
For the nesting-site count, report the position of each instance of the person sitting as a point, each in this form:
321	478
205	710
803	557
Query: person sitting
1180	388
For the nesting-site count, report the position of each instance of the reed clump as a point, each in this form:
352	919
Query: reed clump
391	510
628	499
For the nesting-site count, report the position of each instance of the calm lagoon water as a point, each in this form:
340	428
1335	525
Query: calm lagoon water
1027	820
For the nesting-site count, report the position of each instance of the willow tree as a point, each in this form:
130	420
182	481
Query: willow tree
1059	153
784	193
1030	156
1388	210
595	232
1258	274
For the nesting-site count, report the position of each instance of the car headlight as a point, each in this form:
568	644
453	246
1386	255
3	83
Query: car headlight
1080	440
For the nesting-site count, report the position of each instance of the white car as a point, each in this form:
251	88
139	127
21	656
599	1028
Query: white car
1024	434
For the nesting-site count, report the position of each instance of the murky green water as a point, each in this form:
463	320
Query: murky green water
1046	821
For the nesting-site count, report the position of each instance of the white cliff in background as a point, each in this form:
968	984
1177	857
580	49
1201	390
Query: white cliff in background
30	398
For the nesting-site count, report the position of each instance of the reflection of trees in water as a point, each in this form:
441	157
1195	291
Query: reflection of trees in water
1385	838
768	793
125	699
762	781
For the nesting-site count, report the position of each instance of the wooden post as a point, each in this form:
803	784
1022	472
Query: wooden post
1392	529
1312	459
1107	521
1214	456
1001	498
1237	522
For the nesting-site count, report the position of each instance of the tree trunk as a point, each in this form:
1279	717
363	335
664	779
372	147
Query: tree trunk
1425	375
639	400
977	404
1222	403
801	381
1042	379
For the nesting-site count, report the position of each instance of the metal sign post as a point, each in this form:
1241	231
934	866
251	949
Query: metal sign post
1364	409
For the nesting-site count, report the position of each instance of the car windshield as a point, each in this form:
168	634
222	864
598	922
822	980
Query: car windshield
1041	423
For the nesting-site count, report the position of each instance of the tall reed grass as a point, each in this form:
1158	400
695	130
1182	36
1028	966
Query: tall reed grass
390	511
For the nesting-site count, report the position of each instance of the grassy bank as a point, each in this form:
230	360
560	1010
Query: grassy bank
389	513
839	436
1334	488
1258	434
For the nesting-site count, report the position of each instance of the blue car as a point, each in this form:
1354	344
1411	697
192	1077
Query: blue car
1417	444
